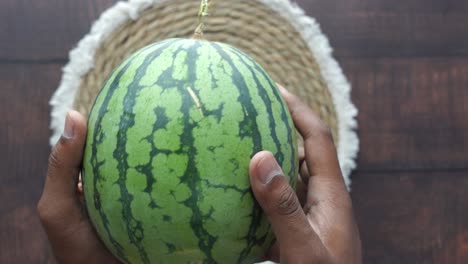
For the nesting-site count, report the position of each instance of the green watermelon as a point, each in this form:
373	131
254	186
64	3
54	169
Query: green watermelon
170	138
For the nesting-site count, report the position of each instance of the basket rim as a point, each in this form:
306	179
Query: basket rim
81	61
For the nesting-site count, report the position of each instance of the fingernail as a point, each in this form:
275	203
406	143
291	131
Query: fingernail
269	169
68	131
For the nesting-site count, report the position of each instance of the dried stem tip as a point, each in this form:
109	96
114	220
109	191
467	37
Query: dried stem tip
201	15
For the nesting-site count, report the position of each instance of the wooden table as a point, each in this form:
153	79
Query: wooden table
408	65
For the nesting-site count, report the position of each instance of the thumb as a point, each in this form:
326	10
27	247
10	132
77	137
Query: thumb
280	204
59	206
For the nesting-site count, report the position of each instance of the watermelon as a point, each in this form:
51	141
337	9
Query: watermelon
170	138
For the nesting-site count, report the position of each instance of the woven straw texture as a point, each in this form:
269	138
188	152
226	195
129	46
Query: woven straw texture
246	24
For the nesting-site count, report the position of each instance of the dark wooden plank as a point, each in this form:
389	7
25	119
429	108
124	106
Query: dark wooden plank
412	217
412	112
408	6
24	149
385	28
44	30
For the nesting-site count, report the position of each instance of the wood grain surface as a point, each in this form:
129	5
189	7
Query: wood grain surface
408	65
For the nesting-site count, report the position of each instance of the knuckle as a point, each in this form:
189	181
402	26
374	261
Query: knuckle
347	205
323	129
318	128
288	203
40	208
296	112
52	215
43	211
54	159
340	199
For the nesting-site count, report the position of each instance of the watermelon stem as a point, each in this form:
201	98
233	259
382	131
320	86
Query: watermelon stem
201	16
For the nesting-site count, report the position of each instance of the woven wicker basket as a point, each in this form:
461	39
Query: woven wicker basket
264	29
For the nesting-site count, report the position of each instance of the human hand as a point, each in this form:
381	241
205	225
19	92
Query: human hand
316	225
324	232
61	208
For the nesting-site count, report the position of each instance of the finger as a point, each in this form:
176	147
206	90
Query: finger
320	152
321	164
301	154
301	187
328	204
59	204
280	203
301	191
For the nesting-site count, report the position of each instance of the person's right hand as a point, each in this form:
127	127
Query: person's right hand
61	209
322	229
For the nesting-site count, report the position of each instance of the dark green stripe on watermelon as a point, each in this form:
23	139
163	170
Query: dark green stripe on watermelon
96	164
136	232
247	129
146	169
285	116
267	102
191	175
135	229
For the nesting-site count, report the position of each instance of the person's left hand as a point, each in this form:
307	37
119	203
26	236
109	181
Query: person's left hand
61	209
315	224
